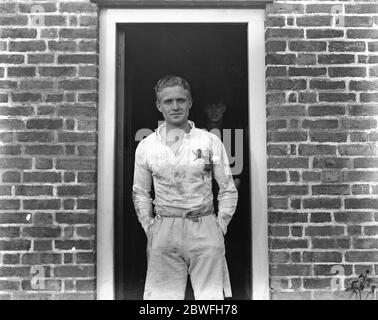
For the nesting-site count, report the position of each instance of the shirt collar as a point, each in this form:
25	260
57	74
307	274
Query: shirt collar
162	126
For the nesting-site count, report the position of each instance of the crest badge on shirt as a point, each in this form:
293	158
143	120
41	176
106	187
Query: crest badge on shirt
205	155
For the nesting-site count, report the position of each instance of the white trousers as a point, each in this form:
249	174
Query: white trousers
177	247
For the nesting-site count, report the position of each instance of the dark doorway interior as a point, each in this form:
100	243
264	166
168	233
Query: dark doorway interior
213	58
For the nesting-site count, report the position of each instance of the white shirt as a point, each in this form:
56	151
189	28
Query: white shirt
182	180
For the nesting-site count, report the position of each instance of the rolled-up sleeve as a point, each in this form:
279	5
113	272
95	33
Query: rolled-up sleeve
228	194
142	187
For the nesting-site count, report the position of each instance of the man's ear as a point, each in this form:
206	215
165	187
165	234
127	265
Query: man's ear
157	103
190	103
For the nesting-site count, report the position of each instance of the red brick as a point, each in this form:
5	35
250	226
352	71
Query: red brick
320	124
322	256
35	136
26	97
11	259
311	149
44	124
44	149
326	84
275	243
331	189
365	243
57	71
283	33
281	190
18	33
77	58
346	46
76	137
328	136
359	137
275	46
77	33
274	162
324	33
361	203
358	21
360	189
8	7
14	245
291	295
320	217
32	190
357	175
41	204
287	136
86	203
361	8
327	269
41	176
347	71
307	72
307	46
77	244
88	71
313	21
75	164
15	163
358	149
310	176
369	97
361	256
316	283
10	150
42	218
287	217
290	270
42	245
9	285
278	257
77	7
324	231
328	203
353	217
371	230
22	46
9	232
17	20
329	176
326	110
362	34
75	190
359	124
85	231
88	46
40	58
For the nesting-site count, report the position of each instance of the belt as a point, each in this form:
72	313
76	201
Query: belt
193	215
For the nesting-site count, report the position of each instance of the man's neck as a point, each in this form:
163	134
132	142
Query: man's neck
185	127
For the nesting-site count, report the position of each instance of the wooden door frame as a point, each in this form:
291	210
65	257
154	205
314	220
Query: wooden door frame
109	18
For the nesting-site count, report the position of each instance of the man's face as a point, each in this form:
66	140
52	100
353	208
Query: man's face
215	112
174	104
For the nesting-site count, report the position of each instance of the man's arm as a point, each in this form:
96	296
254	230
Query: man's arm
142	188
228	194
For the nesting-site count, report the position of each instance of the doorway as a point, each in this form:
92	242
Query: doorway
213	57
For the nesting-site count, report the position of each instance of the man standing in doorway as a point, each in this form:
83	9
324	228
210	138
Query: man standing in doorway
184	236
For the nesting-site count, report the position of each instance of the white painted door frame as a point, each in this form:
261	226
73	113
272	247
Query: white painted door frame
109	18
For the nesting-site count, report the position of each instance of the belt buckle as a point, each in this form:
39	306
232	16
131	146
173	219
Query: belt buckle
191	217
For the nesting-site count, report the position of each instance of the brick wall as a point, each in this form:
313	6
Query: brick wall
48	93
322	93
